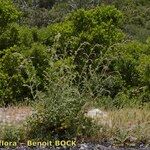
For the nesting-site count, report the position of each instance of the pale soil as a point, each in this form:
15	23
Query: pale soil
13	115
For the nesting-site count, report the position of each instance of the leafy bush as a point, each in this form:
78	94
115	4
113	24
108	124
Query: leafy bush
96	30
144	69
88	44
40	57
8	13
59	112
18	35
126	60
16	73
12	133
25	36
9	37
47	35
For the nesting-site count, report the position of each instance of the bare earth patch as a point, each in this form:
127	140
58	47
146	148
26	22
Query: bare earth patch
14	115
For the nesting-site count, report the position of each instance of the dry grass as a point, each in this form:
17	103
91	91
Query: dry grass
130	118
14	115
128	127
132	124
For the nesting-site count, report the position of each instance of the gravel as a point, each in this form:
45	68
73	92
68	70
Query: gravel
86	146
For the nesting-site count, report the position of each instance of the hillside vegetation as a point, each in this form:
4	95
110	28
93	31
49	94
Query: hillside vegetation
63	56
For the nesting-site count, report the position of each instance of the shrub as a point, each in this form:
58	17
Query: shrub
25	36
144	69
16	73
9	13
18	35
40	57
126	60
103	84
122	100
12	133
97	30
47	35
59	113
9	37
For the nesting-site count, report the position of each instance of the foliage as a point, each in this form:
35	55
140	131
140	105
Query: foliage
136	13
13	133
83	58
5	40
87	42
58	112
16	73
144	69
17	35
8	13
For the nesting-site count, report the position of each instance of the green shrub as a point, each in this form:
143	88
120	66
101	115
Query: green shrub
18	35
25	36
59	113
108	14
40	57
122	100
9	37
103	85
97	30
12	133
82	20
144	69
126	60
9	13
47	35
84	26
16	73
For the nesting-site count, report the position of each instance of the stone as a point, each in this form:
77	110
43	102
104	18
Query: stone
100	117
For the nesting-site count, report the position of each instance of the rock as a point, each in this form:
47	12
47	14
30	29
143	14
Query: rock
83	147
101	147
100	117
96	113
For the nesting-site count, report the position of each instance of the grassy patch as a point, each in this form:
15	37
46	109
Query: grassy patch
129	128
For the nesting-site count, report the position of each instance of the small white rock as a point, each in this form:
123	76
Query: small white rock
95	113
102	118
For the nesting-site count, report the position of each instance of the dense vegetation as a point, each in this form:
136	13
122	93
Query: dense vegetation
65	54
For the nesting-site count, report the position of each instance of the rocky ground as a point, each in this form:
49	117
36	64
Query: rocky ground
88	146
